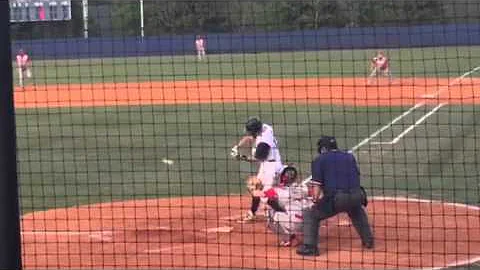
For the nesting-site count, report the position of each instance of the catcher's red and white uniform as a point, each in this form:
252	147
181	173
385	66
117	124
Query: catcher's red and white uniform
294	199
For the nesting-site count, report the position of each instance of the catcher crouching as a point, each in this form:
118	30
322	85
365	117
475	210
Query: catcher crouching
286	203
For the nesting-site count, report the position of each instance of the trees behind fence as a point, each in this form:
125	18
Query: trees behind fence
110	18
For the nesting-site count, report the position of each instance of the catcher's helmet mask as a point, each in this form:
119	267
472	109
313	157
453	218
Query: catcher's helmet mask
326	143
253	127
288	175
262	151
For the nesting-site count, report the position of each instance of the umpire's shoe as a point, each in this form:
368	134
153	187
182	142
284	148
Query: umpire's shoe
369	244
307	250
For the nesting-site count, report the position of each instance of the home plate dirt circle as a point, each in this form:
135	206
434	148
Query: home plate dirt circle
201	232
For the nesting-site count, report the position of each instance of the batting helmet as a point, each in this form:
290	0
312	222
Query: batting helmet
262	151
288	175
253	126
326	143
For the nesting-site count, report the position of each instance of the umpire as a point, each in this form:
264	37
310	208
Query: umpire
335	173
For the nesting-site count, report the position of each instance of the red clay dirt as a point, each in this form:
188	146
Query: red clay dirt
169	233
341	91
161	233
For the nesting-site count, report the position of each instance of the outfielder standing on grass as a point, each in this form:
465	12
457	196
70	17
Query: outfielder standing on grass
335	173
23	66
200	45
266	153
379	66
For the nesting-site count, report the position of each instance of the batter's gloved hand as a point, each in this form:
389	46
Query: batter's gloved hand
234	152
254	184
243	158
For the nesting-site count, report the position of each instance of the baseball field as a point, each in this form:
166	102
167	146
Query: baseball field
124	163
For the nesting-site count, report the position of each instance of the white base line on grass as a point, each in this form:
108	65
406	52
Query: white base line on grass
411	127
457	80
375	134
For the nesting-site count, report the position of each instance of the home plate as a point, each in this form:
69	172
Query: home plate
159	228
429	96
224	229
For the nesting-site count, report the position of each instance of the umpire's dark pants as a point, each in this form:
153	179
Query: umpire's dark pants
330	205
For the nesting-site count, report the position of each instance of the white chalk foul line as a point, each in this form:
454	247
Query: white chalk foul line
98	235
222	229
418	122
375	198
456	264
457	80
411	127
460	205
441	89
376	133
166	249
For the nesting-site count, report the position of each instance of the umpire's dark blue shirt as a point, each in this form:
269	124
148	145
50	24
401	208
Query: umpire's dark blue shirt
336	170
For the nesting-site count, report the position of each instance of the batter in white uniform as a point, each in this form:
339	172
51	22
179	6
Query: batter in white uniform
266	153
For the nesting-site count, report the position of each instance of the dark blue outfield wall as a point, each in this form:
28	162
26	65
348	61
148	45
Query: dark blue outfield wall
323	39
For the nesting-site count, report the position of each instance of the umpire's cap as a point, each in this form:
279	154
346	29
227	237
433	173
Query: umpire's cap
253	126
262	151
327	143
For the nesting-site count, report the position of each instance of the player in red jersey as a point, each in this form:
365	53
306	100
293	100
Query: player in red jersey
379	66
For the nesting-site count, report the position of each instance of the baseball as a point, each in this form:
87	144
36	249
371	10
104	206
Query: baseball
167	161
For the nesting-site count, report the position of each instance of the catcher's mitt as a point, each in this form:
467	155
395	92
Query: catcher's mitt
253	183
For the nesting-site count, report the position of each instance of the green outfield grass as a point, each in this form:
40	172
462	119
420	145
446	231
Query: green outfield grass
411	62
78	156
74	156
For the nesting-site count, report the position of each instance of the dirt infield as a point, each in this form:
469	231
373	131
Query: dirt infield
183	232
195	232
342	91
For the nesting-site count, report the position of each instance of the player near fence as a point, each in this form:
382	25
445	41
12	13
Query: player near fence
265	152
287	201
200	46
336	181
24	64
379	66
